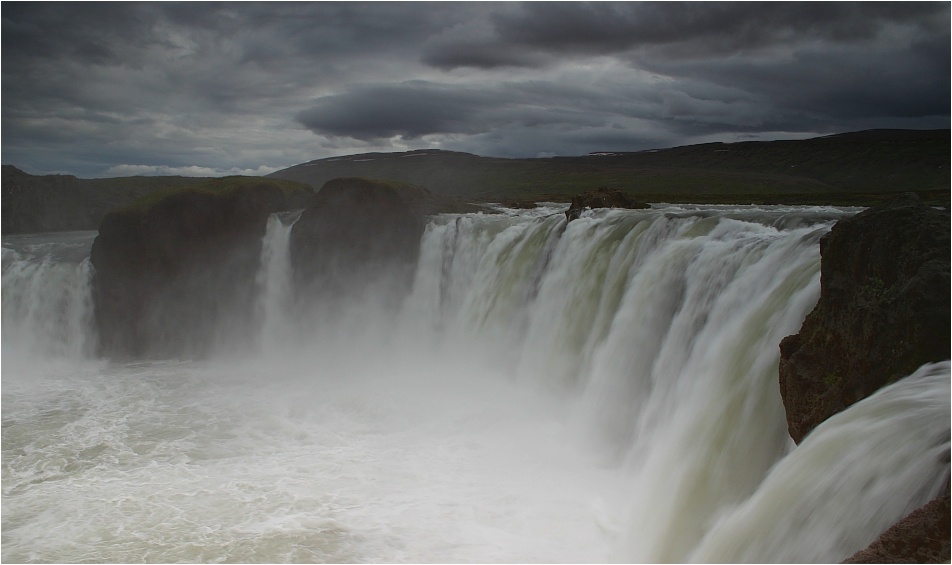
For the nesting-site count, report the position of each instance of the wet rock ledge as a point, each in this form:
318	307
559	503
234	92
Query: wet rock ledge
602	198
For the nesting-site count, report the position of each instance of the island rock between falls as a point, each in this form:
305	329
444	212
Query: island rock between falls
356	232
174	267
602	198
175	272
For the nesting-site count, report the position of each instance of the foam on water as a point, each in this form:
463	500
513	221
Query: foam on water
369	461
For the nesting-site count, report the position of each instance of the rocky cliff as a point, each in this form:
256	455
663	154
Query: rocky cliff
884	310
921	537
358	233
173	269
176	270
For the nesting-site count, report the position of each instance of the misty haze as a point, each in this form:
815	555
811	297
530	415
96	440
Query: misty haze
475	282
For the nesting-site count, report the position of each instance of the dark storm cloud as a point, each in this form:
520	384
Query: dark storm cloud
690	29
90	88
409	110
414	109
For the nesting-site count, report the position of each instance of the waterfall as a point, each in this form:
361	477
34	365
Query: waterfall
665	325
881	459
274	281
600	389
47	303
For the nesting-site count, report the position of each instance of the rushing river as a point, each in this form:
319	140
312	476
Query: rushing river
604	390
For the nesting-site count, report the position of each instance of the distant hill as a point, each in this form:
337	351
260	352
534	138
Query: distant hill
860	168
847	168
33	204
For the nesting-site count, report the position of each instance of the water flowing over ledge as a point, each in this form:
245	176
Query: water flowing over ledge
546	392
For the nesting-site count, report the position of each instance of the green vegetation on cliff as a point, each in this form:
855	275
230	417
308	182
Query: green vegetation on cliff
291	190
33	204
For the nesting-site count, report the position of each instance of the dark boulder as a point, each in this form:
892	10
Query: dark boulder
357	233
602	198
883	311
175	271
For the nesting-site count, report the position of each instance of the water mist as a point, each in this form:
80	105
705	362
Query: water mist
599	390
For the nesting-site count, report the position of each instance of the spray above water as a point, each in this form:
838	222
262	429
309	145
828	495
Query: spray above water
599	390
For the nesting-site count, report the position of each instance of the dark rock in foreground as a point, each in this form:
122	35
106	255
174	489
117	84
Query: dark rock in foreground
921	537
883	311
602	198
172	269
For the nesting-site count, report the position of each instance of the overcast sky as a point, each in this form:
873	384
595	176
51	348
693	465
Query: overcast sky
120	89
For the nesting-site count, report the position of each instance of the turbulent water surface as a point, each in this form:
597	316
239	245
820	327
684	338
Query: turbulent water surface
604	390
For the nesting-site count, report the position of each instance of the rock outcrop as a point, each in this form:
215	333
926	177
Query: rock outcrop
602	198
921	537
358	232
883	311
174	269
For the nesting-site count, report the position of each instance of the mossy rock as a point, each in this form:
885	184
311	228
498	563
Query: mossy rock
292	194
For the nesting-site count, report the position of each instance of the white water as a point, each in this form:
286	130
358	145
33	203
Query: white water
47	307
274	279
602	391
790	517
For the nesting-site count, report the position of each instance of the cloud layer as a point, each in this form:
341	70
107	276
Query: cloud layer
143	88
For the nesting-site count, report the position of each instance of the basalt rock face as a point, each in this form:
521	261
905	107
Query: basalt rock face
358	234
883	311
176	277
602	198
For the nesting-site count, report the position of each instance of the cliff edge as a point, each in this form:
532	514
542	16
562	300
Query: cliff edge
883	311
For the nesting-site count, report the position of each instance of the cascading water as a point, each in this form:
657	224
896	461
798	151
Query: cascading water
47	307
883	458
599	390
274	280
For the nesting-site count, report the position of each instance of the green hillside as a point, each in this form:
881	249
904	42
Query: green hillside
853	168
860	168
33	204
